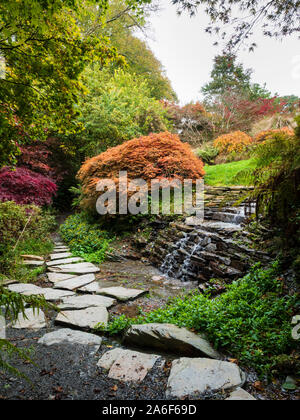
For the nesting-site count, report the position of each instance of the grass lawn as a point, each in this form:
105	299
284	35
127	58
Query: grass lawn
226	174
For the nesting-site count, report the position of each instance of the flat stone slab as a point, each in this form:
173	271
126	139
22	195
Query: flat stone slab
59	243
56	277
64	261
2	327
240	395
127	365
189	376
34	263
61	249
59	255
86	301
33	320
75	282
51	295
122	293
26	289
47	292
91	288
68	336
32	257
169	337
80	268
84	318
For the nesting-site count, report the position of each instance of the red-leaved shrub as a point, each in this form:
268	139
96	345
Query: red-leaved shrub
157	156
26	187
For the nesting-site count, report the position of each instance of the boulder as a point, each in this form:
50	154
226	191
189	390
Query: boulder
197	376
170	338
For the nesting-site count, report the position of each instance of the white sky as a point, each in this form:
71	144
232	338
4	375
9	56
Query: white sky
187	53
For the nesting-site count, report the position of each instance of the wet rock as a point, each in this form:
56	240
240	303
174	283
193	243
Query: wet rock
86	301
127	365
189	376
122	293
68	336
75	282
85	318
169	337
80	268
64	261
33	320
240	394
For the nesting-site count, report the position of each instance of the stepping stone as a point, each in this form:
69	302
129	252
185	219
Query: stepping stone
91	288
47	292
80	268
75	282
33	320
58	243
122	293
189	376
68	336
169	337
33	263
32	257
240	395
85	318
2	327
127	365
61	249
64	261
86	301
51	295
60	255
25	289
56	277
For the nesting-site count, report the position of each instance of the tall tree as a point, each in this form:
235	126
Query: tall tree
44	54
276	18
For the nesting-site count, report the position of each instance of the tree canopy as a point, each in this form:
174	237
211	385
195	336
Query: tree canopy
276	18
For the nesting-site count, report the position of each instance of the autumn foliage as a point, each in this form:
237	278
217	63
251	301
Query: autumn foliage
157	156
268	134
236	141
26	187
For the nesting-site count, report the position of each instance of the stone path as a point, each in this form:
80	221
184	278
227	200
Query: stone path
84	303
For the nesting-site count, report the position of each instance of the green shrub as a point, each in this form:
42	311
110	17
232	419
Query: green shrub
208	154
251	321
24	230
85	239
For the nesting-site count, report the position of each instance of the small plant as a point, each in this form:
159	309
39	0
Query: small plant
251	320
207	154
269	134
85	238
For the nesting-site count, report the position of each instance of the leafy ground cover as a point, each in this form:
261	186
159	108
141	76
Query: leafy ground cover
251	320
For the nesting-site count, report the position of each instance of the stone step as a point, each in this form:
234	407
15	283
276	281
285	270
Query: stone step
86	301
83	319
79	268
127	365
121	293
68	336
59	255
64	261
75	282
